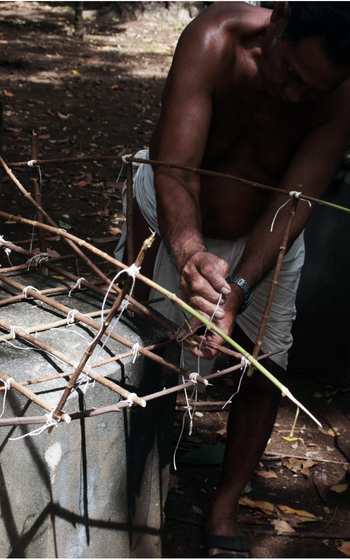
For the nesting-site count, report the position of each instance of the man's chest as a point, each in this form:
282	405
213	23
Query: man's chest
257	138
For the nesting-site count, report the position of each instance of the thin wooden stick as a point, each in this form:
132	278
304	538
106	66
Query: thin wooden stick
95	365
279	455
113	407
53	224
183	168
32	397
173	297
274	282
105	324
135	305
67	359
129	215
37	193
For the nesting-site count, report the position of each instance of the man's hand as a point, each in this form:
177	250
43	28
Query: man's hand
202	282
230	306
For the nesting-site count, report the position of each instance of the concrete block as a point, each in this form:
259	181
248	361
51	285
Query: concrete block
95	487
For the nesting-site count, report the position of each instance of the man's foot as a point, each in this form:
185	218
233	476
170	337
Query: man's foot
228	547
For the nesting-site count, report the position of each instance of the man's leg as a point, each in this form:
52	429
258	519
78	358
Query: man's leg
251	420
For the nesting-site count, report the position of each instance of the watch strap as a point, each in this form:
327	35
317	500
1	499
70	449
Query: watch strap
245	288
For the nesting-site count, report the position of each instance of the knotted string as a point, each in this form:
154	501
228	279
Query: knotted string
130	399
77	286
24	292
292	194
49	423
37	259
135	351
6	249
7	384
245	363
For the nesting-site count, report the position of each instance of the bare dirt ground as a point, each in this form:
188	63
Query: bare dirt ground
101	95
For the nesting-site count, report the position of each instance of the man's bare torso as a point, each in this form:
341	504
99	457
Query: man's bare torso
253	134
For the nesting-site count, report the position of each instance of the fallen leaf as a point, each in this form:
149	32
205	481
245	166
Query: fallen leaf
281	526
287	438
115	86
114	230
8	93
75	72
266	474
265	507
222	432
326	509
345	548
330	432
196	509
63	225
62	116
298	513
339	488
322	484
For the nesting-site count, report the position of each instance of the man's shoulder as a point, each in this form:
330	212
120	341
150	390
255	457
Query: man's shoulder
227	23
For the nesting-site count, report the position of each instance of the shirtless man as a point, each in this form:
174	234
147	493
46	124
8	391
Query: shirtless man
245	96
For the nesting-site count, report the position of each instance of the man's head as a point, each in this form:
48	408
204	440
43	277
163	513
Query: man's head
307	49
327	21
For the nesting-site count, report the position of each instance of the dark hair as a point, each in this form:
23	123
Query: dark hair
328	21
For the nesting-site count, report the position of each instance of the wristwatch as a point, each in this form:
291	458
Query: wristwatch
245	288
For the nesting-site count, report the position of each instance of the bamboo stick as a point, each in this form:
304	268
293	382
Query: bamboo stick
274	282
31	396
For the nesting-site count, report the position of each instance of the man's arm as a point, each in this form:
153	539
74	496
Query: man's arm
310	171
181	137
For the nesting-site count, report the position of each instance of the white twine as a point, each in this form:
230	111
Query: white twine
135	351
292	194
193	377
50	422
6	249
245	363
27	288
37	259
77	286
7	384
132	270
31	162
130	399
126	156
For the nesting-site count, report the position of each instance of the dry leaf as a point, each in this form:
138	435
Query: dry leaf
287	438
326	509
266	474
8	93
196	509
281	526
322	484
61	116
75	72
339	488
222	432
298	513
345	548
265	507
115	86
